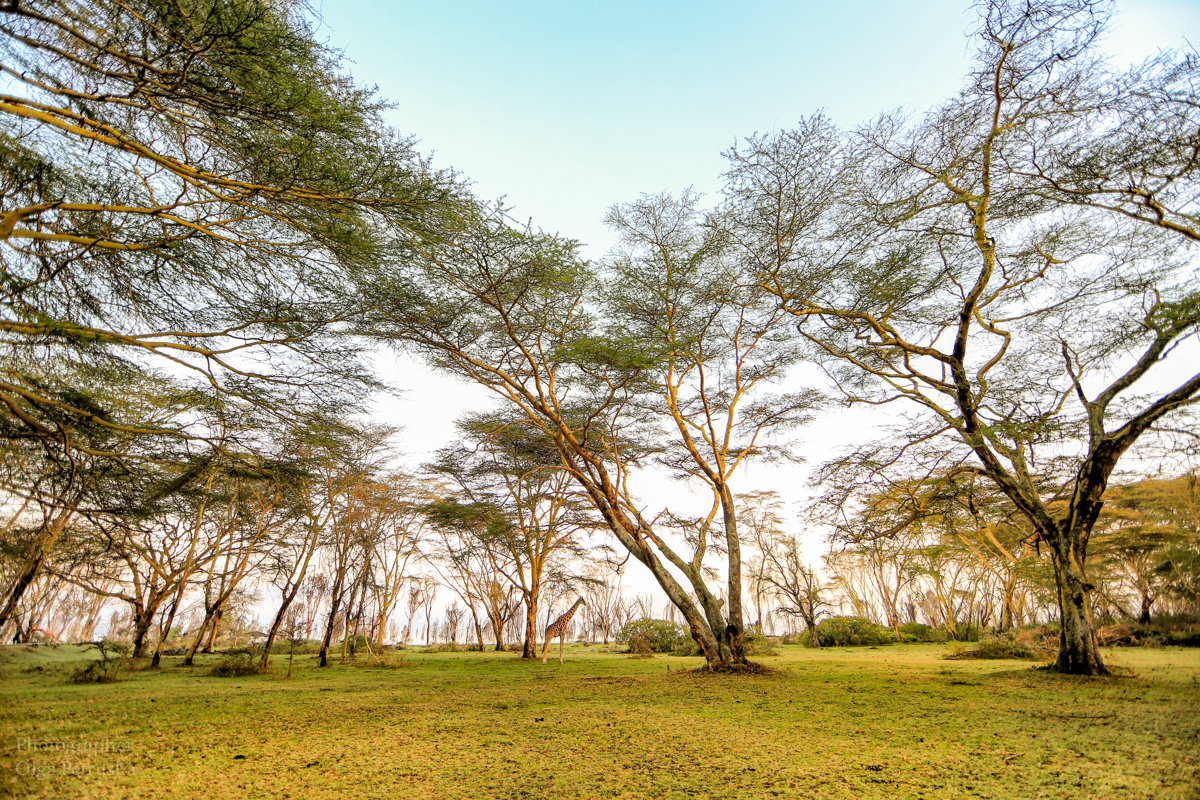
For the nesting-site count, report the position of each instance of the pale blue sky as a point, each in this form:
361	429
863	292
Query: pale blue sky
567	107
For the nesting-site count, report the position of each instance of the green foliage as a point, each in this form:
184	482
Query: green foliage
852	632
1173	631
237	664
114	658
757	644
688	649
1000	647
659	635
918	632
360	642
300	647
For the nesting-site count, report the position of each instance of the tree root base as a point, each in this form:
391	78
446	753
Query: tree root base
749	668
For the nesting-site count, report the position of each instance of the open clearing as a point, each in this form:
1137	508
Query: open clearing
897	722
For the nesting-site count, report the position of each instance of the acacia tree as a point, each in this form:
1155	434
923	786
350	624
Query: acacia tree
780	569
1143	528
149	559
1012	266
105	472
685	298
538	513
183	187
395	508
249	511
470	561
350	459
515	311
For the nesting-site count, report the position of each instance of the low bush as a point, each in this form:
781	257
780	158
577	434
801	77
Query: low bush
757	644
1000	647
852	632
302	647
1043	638
236	664
640	648
1179	631
659	635
1183	638
918	632
114	659
687	649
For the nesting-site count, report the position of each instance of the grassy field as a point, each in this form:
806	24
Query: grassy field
896	722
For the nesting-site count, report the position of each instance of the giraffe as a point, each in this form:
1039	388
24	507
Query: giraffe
559	628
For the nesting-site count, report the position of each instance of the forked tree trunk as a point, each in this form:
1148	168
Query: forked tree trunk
212	630
143	619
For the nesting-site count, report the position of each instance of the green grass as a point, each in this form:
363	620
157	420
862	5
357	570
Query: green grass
897	722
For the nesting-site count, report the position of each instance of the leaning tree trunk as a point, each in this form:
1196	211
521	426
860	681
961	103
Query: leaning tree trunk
335	602
32	565
1079	649
209	618
164	632
277	622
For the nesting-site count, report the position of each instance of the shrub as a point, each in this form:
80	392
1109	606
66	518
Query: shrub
1184	638
852	631
688	648
302	647
1179	631
999	647
660	636
236	664
917	632
114	657
1043	638
1127	634
640	648
757	644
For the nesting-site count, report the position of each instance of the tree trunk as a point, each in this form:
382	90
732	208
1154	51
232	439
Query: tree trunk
32	565
335	602
141	627
810	622
1079	650
212	630
1006	614
735	630
190	658
529	648
165	631
288	597
1144	617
